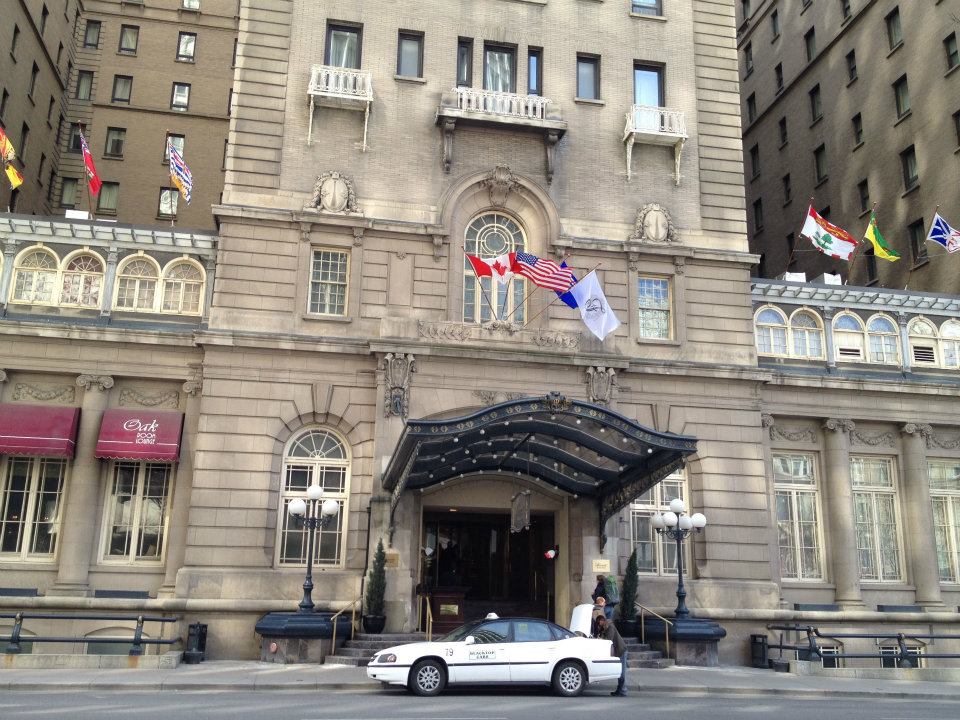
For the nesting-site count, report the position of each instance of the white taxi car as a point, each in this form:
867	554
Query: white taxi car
502	651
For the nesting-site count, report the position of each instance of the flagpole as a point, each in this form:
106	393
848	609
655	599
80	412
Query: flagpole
166	153
93	217
793	250
856	250
535	286
544	308
493	313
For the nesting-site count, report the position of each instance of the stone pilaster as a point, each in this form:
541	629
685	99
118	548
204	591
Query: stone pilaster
828	344
838	494
917	523
109	279
9	253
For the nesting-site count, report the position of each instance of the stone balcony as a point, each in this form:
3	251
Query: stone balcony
508	111
653	125
343	88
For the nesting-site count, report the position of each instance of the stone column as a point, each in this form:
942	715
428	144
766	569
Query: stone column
109	279
80	517
180	512
838	493
917	522
906	358
9	253
828	345
211	271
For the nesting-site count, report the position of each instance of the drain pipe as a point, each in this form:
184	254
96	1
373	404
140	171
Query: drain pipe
366	557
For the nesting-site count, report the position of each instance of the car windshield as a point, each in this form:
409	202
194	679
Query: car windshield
459	634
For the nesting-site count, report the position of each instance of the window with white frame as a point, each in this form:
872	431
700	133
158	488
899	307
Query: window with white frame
488	236
136	285
653	301
884	340
328	282
950	343
770	325
136	512
316	457
922	336
806	334
82	281
944	479
167	207
656	556
890	656
31	492
875	512
182	288
798	516
848	337
35	277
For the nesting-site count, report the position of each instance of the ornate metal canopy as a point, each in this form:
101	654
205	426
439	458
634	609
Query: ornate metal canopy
583	449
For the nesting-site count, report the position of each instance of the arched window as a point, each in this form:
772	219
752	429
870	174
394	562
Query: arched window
806	335
848	336
771	329
182	288
82	281
316	457
884	340
137	285
488	236
923	342
950	343
35	277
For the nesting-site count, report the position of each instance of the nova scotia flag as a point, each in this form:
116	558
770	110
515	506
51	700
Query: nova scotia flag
943	234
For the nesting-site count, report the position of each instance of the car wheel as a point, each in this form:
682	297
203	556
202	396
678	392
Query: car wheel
569	679
427	678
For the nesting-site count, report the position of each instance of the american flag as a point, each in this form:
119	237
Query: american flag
179	172
543	272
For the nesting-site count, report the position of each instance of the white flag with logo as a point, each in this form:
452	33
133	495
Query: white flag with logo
594	308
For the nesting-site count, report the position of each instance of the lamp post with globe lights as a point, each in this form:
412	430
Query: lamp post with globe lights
677	525
312	513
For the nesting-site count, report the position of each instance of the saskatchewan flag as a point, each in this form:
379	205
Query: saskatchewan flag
880	247
14	176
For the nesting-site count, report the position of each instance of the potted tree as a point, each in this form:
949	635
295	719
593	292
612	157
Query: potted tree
627	624
373	617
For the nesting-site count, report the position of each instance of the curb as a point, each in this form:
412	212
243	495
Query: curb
803	693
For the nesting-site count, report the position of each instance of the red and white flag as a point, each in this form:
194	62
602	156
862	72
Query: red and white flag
498	267
92	178
828	238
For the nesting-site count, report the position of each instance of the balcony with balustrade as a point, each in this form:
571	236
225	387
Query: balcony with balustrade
651	125
343	88
508	111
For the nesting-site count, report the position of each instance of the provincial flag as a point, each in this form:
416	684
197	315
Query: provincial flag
498	267
93	180
826	237
7	153
942	234
14	176
567	296
179	172
543	272
880	247
596	312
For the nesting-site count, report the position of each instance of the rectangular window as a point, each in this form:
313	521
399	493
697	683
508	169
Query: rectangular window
180	96
918	241
14	42
775	24
44	14
656	555
816	107
115	139
410	54
177	141
91	34
654	305
810	43
68	193
820	163
3	103
53	176
191	4
24	142
751	107
135	516
50	105
343	46
230	102
852	66
464	62
646	7
108	198
787	189
328	282
778	76
648	85
748	59
754	161
944	479
950	47
870	256
956	123
798	516
758	214
84	84
745	7
168	202
901	94
845	9
187	47
233	59
890	656
43	161
31	494
73	143
588	77
122	88
875	514
863	195
783	131
499	68
534	71
908	161
129	39
894	33
857	122
791	255
34	72
298	475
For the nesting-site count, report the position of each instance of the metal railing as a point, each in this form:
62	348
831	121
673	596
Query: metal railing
489	102
14	639
424	615
652	120
429	620
352	607
643	632
903	656
341	82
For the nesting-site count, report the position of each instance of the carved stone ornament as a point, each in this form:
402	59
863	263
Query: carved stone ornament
443	331
135	397
95	382
545	338
3	376
502	327
766	421
397	369
45	393
495	397
806	435
499	184
654	225
334	193
438	247
520	512
357	236
886	439
919	429
600	383
839	425
194	386
557	402
943	442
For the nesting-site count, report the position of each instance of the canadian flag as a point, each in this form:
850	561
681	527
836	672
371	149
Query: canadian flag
498	267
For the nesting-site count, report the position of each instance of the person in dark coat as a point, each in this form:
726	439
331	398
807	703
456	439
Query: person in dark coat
608	631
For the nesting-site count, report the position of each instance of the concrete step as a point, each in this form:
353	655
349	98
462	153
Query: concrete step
373	645
658	664
346	660
347	651
394	638
636	645
643	655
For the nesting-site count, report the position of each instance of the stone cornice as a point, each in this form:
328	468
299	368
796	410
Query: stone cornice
73	332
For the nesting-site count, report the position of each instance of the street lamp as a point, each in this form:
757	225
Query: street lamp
677	525
312	513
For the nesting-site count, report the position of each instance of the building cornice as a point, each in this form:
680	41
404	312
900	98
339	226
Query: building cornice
848	297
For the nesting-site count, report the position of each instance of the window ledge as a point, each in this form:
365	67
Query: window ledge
871	283
783	145
754	177
822	181
658	341
112	157
863	213
905	116
774	38
748	73
911	190
951	71
327	318
920	263
127	53
778	90
655	18
189	61
589	101
816	120
895	48
410	79
845	20
957	150
100	211
857	146
852	80
806	7
171	218
788	201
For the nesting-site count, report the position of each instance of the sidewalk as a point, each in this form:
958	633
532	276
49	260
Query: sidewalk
247	676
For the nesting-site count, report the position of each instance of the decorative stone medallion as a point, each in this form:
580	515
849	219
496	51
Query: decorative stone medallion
334	193
654	224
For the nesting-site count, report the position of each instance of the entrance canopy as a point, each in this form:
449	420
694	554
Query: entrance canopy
583	449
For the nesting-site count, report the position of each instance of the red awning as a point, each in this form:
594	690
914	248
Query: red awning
38	430
129	434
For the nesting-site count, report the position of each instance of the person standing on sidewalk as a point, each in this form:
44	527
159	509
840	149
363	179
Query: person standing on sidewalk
608	631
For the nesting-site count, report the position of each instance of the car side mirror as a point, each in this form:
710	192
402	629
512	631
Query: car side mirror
469	640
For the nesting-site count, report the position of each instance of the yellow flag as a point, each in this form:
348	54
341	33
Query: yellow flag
14	176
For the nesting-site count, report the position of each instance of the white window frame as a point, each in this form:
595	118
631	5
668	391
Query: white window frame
892	653
53	277
792	490
85	276
946	535
651	309
167	281
314	466
30	520
120	276
923	342
872	492
322	308
646	506
767	331
505	298
839	335
796	332
889	353
950	343
130	558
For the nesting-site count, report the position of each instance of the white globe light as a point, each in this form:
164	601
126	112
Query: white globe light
670	519
699	520
330	508
677	506
658	522
685	522
297	507
314	492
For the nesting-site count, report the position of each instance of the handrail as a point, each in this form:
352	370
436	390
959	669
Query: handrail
352	607
429	620
643	631
136	642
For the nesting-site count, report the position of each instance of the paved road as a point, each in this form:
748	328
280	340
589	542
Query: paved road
455	705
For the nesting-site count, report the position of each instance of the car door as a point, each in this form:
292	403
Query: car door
532	652
484	660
